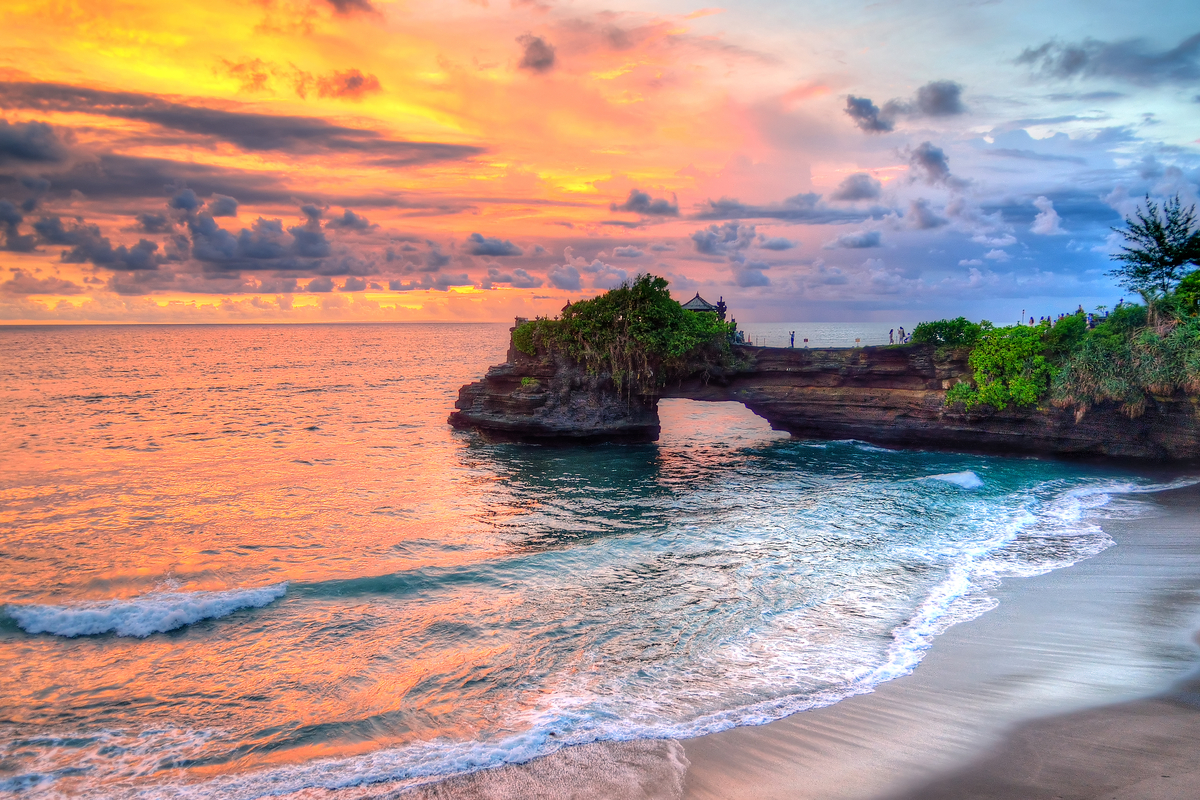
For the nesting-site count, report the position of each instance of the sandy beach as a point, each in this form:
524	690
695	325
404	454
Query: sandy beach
1075	686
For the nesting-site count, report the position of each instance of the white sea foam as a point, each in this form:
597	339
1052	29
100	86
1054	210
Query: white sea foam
965	480
157	612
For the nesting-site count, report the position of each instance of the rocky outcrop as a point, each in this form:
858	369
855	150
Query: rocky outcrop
892	396
551	398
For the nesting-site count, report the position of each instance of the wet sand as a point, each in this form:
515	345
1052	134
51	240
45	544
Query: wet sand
1044	696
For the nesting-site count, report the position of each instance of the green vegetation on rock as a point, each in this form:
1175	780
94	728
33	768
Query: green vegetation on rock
947	333
636	333
1132	354
1010	368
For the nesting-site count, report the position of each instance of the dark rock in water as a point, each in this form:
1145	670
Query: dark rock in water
891	396
549	397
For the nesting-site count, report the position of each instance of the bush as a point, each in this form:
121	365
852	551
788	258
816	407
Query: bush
636	333
947	332
1188	294
1066	335
1126	365
1010	368
1124	359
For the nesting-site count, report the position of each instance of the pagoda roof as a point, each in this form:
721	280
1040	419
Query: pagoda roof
698	303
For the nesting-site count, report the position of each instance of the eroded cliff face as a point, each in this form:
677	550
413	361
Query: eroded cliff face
892	396
551	398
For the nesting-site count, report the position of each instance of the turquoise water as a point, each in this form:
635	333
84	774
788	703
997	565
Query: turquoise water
248	561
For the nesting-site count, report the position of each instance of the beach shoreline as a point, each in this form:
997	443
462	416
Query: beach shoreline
1080	683
1017	703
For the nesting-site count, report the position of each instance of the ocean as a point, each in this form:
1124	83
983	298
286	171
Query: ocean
248	561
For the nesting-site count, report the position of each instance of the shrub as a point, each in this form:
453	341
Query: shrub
947	332
636	333
1125	365
1009	366
1126	358
1188	294
1066	335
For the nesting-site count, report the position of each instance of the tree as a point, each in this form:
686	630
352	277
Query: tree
1160	243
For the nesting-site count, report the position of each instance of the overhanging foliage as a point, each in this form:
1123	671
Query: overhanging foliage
636	333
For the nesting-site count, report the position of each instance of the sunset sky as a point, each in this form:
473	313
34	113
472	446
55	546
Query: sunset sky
315	160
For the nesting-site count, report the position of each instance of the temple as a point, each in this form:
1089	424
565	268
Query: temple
698	303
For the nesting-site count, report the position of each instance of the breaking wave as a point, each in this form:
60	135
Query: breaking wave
142	616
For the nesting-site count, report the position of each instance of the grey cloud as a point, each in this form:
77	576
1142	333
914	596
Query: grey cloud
321	284
132	177
154	223
751	275
921	217
37	187
1030	155
940	99
565	277
10	229
87	245
248	130
440	283
719	240
185	200
628	252
859	186
353	285
435	260
262	246
222	205
931	163
309	241
23	283
934	99
9	215
50	230
479	245
867	115
523	280
1149	168
663	248
30	143
518	279
348	264
776	243
803	208
1130	60
640	202
1090	96
350	221
857	240
537	54
348	7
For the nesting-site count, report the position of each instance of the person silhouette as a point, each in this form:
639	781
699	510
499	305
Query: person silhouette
892	336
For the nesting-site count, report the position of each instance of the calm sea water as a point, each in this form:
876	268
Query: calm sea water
248	561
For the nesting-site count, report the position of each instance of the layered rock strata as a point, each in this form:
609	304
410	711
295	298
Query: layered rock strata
891	396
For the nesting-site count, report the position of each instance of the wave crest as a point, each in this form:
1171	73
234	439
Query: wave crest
157	612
